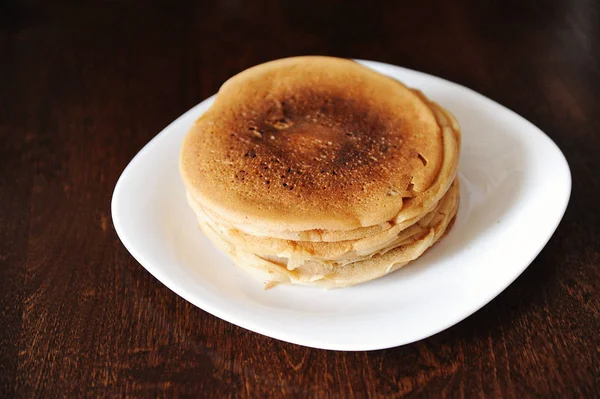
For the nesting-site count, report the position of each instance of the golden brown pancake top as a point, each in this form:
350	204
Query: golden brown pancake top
311	142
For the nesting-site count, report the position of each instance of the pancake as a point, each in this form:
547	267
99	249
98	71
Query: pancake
285	138
320	171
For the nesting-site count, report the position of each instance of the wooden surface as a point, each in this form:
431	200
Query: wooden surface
84	87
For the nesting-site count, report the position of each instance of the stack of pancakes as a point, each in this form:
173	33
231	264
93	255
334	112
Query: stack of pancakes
320	171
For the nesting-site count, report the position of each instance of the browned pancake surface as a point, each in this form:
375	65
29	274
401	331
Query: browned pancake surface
311	142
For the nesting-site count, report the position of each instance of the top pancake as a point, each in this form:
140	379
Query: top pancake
311	143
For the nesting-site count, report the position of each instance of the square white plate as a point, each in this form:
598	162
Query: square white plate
515	186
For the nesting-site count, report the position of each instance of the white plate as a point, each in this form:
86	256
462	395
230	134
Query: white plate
515	186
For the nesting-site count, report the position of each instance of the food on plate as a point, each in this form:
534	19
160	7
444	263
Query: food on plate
320	171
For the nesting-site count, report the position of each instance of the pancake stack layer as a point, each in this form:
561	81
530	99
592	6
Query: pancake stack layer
320	171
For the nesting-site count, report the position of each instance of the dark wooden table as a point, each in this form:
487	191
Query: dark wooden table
85	86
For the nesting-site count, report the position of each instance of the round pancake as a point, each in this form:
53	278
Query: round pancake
337	275
313	143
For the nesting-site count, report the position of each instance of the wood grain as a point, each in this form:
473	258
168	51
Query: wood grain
86	84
